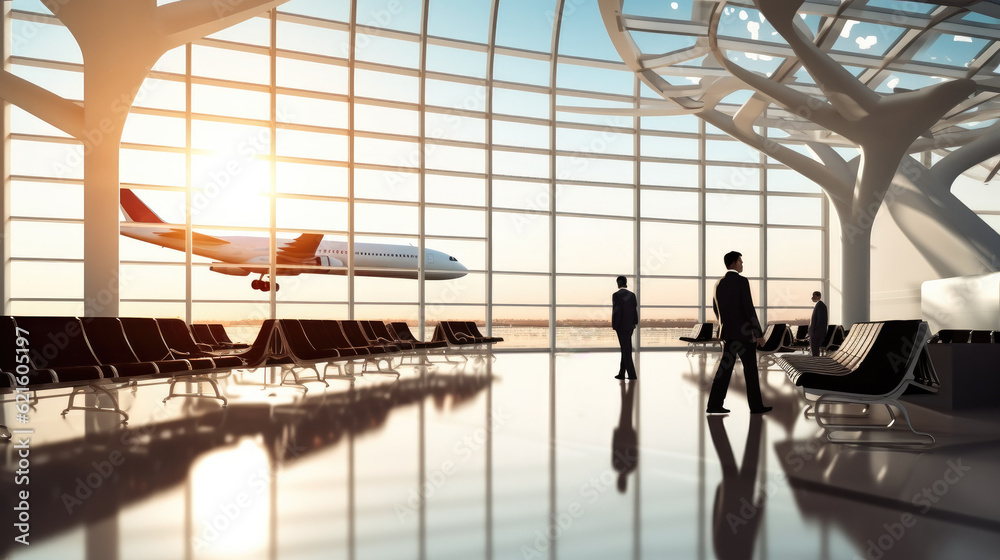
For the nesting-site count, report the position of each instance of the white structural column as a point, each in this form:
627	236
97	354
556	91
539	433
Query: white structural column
422	178
5	51
352	39
491	48
553	239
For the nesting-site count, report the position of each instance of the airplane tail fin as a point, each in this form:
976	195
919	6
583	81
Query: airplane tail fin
135	210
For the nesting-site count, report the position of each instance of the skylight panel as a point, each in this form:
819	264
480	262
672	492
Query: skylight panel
907	7
951	50
980	18
669	9
526	24
582	33
906	81
864	38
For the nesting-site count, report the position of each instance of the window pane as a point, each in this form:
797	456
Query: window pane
303	178
732	178
229	64
449	60
665	147
669	249
719	240
668	174
512	234
313	39
518	164
520	289
312	111
671	205
526	24
382	85
794	211
594	200
452	126
725	207
446	189
385	185
669	291
794	253
314	76
588	245
385	50
784	293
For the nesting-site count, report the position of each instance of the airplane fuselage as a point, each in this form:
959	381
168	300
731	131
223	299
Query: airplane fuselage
244	255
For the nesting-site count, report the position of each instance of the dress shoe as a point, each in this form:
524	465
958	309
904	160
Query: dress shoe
764	410
632	377
620	376
718	410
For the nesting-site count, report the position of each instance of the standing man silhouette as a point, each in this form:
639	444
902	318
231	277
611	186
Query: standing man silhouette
740	331
624	318
817	324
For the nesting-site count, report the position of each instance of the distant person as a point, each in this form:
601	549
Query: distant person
738	511
624	440
624	318
817	324
740	331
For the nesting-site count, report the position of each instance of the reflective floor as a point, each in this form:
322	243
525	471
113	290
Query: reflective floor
530	455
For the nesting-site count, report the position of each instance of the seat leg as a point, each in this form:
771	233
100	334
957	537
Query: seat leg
97	408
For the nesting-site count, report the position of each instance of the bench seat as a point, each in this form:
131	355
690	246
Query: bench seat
876	363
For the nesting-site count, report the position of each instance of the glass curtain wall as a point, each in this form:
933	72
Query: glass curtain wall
436	124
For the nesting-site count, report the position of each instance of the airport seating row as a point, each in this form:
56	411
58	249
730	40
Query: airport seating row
213	337
462	334
92	352
832	340
876	363
965	336
702	334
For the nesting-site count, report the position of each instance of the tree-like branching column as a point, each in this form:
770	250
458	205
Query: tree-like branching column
884	128
120	41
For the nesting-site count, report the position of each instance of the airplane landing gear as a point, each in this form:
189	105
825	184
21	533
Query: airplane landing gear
263	286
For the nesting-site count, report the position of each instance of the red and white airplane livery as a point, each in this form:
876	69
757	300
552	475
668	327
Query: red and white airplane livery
245	255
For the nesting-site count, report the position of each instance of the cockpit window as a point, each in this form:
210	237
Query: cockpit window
452	259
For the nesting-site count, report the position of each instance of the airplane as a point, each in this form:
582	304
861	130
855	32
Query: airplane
245	255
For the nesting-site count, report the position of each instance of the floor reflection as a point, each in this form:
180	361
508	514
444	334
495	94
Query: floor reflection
495	459
625	440
738	508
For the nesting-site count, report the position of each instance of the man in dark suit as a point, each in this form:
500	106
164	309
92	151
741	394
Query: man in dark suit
817	324
740	333
624	317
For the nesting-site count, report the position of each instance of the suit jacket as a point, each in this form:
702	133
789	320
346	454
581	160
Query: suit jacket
733	306
624	310
818	322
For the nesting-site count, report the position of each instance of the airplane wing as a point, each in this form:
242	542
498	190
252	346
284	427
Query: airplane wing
302	248
198	238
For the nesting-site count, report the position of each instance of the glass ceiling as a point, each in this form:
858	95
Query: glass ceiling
889	46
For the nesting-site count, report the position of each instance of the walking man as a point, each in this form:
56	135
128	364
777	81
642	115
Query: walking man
624	317
740	333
